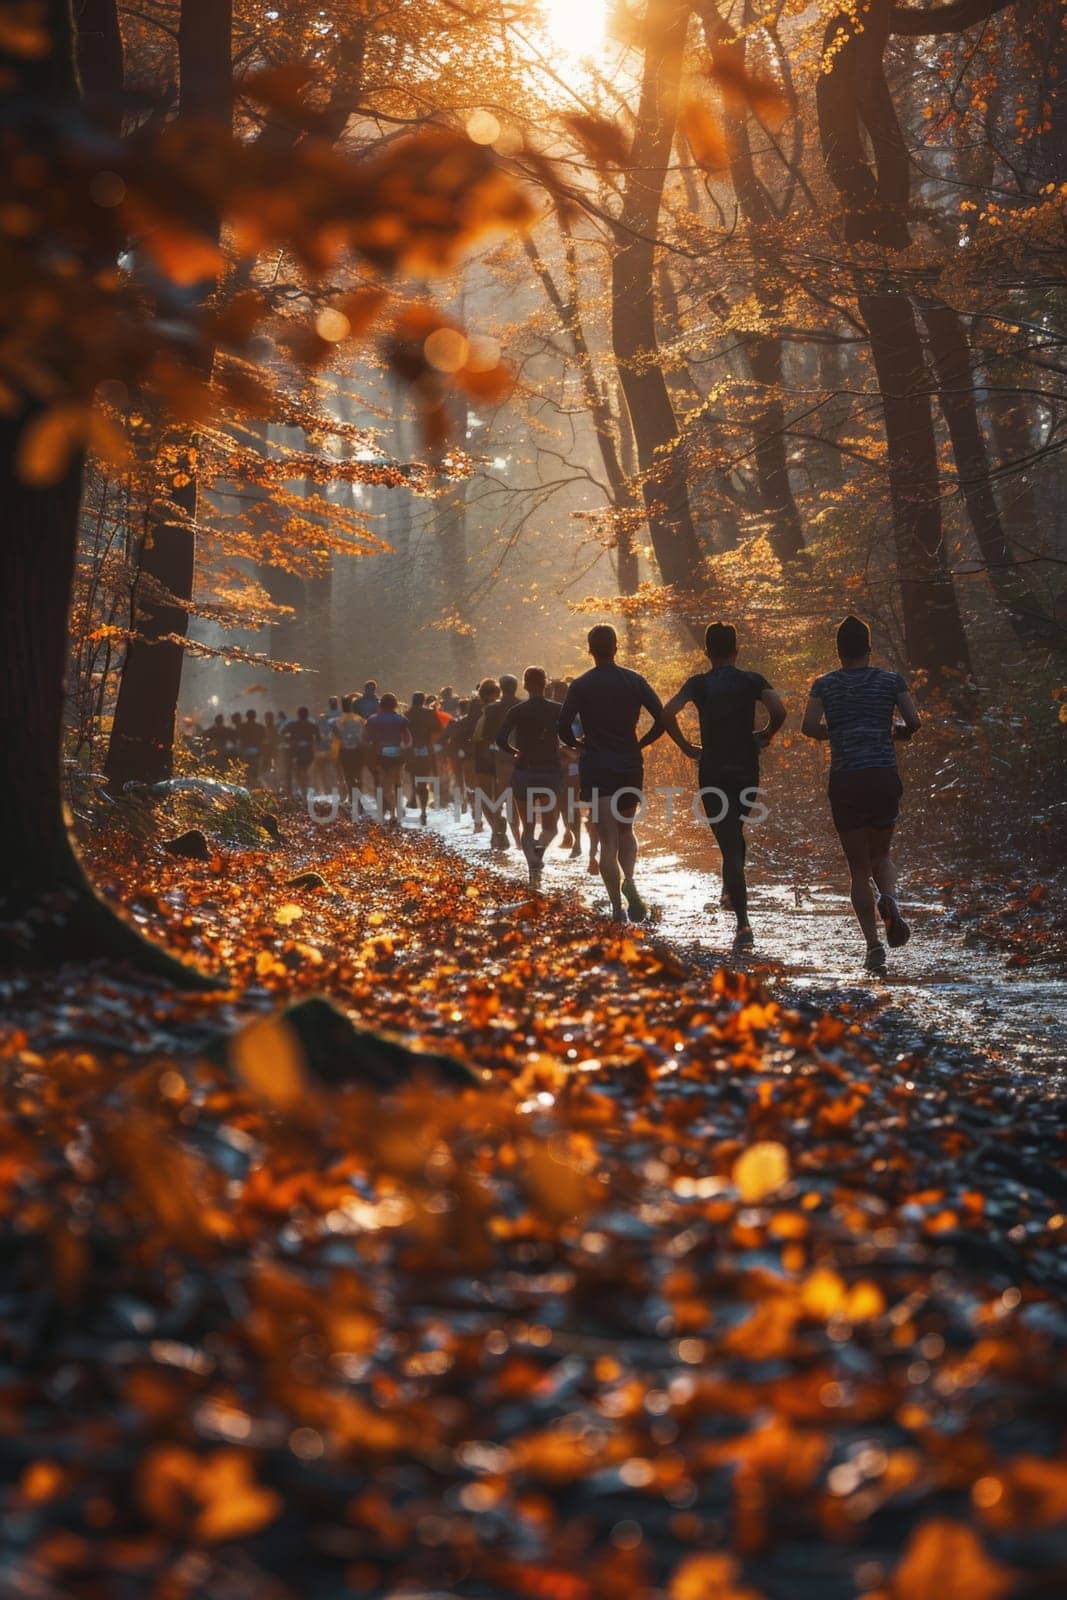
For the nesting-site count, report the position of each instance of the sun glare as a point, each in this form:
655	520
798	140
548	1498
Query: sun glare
576	26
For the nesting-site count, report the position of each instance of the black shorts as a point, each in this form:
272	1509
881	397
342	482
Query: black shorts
722	802
536	793
606	785
866	799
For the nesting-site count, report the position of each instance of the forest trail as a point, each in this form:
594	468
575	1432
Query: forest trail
941	987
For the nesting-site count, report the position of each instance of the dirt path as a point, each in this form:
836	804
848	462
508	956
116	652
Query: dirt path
807	946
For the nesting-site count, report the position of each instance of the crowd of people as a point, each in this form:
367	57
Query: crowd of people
568	754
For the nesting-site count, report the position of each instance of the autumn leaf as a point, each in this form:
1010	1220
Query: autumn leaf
602	140
185	257
267	1057
709	1577
279	88
945	1560
49	441
741	88
706	137
761	1170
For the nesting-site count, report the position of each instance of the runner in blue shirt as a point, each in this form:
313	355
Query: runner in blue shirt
856	709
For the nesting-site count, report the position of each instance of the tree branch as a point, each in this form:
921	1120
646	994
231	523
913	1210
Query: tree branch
956	17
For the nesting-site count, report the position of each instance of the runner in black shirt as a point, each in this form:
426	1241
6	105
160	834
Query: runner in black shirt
219	744
529	736
727	699
609	700
302	739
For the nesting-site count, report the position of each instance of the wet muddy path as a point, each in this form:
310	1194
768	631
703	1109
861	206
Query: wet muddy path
941	989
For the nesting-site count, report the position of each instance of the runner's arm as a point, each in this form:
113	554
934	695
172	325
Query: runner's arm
565	726
667	722
814	724
651	703
504	731
776	712
912	720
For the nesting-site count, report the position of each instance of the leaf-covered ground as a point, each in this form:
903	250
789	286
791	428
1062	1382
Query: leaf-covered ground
696	1296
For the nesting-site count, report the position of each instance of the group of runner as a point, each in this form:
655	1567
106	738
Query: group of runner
571	753
861	709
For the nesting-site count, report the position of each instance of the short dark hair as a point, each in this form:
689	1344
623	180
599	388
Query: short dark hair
720	641
418	699
853	639
346	704
535	676
603	640
388	702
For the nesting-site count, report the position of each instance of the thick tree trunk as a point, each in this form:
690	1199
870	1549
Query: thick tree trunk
867	161
785	531
633	303
142	736
48	911
933	628
951	351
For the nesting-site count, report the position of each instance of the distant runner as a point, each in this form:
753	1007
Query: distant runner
572	814
609	700
426	730
387	737
301	737
855	709
529	738
503	808
483	758
367	703
727	699
350	755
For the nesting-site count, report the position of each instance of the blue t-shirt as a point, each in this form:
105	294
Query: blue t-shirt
859	704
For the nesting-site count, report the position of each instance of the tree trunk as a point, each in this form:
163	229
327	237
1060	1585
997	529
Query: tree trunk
142	735
785	531
48	911
633	303
933	628
951	351
450	532
100	61
853	100
621	496
1013	435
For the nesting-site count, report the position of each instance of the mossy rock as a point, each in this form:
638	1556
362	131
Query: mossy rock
192	845
337	1052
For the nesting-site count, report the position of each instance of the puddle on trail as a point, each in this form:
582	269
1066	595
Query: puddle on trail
938	986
